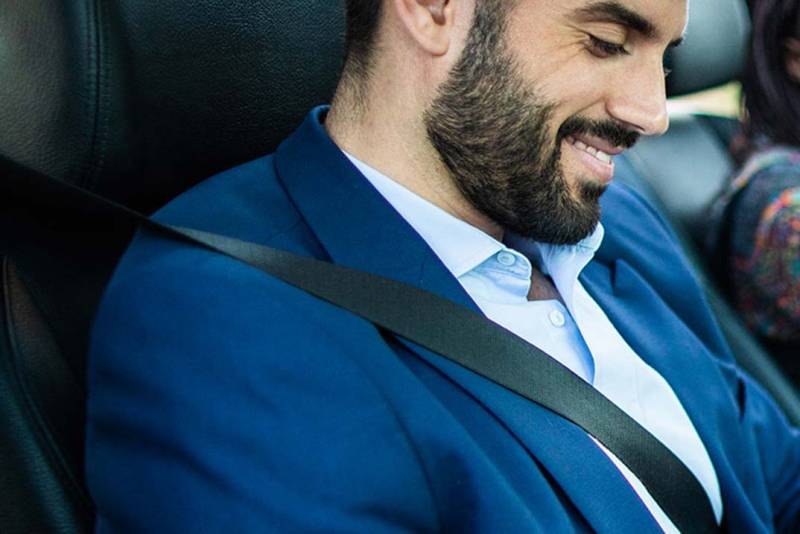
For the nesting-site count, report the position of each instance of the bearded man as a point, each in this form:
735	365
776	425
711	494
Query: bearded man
466	152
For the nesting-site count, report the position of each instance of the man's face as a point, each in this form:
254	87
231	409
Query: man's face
544	94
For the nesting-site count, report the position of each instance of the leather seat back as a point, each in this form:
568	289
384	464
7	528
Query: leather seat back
135	101
139	100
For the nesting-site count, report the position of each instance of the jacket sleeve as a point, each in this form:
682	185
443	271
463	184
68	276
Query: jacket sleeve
222	399
778	446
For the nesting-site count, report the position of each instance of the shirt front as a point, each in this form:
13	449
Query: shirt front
575	331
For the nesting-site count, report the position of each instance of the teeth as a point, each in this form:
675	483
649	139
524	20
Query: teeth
599	154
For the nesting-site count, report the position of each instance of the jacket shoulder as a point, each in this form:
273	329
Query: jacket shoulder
241	392
246	201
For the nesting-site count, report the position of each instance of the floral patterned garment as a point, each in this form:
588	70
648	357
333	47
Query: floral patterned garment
764	243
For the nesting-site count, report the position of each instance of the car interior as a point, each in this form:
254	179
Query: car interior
138	101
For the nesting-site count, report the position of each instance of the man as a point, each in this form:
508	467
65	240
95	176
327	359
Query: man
466	151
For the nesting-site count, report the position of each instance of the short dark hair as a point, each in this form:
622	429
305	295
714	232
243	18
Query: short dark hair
771	96
363	17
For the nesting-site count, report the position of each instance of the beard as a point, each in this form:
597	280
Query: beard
491	131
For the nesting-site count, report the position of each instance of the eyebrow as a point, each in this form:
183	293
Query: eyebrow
614	12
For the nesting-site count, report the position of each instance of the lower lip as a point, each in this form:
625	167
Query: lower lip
601	170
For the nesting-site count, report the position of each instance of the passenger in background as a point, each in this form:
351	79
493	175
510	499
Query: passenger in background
757	235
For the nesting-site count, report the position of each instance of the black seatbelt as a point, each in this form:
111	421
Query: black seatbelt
459	334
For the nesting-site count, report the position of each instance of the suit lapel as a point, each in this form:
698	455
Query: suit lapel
358	228
680	357
354	223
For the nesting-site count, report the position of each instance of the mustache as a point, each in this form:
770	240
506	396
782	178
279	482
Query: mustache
611	131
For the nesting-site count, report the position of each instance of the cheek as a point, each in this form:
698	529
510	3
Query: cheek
574	100
572	79
575	93
569	92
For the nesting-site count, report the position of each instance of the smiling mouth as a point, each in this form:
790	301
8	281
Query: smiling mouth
597	163
592	151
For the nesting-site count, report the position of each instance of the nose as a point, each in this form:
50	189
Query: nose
639	100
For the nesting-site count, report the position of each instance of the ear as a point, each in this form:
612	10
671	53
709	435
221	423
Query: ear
792	58
428	22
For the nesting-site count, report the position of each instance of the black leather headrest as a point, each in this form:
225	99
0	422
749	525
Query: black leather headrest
715	48
139	100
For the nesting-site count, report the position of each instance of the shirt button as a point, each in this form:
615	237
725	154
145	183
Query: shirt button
506	258
557	318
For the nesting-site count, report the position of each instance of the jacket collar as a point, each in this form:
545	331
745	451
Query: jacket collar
354	223
461	246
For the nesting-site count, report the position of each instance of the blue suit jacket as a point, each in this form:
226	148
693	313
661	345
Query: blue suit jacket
223	399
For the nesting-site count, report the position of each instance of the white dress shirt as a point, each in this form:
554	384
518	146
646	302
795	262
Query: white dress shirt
577	333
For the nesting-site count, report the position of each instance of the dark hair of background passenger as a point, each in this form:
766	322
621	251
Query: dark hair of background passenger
771	97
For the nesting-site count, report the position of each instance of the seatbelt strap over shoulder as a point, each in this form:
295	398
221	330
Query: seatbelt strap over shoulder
474	342
464	337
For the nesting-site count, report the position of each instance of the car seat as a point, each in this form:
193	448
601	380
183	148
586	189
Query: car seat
135	101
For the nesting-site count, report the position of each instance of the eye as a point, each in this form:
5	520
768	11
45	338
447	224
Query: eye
604	49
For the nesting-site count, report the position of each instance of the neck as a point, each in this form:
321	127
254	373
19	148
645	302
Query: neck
390	136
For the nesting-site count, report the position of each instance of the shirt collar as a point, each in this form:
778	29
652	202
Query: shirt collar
462	247
459	245
563	263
